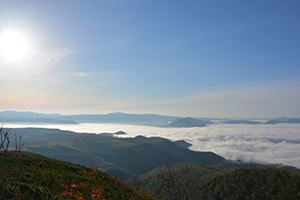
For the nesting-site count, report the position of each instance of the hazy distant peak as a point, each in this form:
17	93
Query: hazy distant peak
187	122
116	113
120	133
283	120
241	122
26	113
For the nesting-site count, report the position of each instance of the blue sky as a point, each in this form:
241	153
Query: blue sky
183	58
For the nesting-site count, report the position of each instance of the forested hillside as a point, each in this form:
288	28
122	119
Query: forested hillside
253	183
221	181
181	180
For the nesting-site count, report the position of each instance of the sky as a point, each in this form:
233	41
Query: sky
235	59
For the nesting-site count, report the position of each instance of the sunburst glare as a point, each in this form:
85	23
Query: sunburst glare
13	46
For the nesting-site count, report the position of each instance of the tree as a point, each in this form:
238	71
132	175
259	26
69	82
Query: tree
178	188
10	172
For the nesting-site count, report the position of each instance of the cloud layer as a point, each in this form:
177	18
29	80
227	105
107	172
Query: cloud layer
275	143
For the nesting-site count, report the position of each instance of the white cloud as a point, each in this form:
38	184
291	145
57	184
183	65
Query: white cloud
273	143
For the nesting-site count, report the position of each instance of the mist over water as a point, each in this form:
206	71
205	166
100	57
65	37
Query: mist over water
263	143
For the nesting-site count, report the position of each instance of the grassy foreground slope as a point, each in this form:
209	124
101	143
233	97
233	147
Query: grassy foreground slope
31	176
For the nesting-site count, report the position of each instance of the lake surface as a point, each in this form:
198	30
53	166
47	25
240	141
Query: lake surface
263	143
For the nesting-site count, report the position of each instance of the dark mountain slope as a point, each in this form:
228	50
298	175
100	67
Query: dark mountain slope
185	153
141	138
131	156
207	158
127	154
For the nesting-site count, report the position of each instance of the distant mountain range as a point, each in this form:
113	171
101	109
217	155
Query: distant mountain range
283	120
241	122
140	119
33	118
271	121
125	118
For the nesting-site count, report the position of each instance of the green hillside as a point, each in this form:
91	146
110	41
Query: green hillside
32	176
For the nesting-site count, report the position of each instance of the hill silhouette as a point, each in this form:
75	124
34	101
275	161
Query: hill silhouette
132	155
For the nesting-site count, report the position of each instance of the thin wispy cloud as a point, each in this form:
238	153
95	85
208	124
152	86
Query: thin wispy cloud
191	39
244	101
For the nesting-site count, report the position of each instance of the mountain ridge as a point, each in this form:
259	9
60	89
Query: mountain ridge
127	154
29	117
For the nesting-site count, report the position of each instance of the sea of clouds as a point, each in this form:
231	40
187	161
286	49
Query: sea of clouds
262	143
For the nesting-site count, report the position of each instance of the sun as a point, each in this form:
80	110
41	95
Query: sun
13	46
